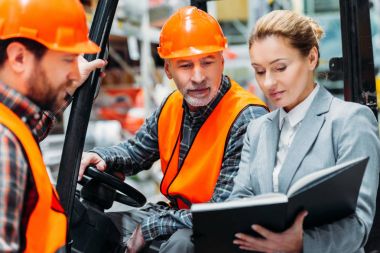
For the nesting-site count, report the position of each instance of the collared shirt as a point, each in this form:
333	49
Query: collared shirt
17	192
288	125
139	153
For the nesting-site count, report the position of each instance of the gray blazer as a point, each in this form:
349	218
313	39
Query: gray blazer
333	131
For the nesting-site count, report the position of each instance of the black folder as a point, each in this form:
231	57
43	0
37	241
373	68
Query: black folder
328	195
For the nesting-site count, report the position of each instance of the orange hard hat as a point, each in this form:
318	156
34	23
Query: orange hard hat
58	24
190	31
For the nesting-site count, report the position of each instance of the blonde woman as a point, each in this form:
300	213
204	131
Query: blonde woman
309	131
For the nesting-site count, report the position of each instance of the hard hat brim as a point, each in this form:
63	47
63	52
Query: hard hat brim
191	51
87	47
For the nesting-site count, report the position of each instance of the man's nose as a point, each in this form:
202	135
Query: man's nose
197	75
74	74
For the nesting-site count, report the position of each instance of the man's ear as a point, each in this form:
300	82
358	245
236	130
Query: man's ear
167	70
18	57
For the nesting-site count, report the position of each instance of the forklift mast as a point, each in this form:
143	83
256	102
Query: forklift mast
359	75
200	4
358	62
80	112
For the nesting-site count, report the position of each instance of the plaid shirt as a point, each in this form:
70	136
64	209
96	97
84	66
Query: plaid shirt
18	195
141	152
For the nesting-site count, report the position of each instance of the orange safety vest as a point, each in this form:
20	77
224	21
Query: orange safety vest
46	228
195	181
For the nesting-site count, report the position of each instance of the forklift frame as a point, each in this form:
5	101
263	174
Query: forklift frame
80	112
358	62
359	75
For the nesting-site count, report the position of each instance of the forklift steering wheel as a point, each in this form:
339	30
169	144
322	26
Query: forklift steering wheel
127	194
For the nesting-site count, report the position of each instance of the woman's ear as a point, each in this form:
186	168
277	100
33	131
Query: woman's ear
313	58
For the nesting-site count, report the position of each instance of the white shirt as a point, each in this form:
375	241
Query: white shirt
288	125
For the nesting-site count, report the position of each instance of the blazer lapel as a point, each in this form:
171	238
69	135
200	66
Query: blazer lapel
268	146
305	137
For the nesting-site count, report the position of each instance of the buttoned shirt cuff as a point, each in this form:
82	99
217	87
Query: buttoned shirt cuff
149	228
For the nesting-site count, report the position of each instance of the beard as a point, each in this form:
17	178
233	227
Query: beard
198	101
42	92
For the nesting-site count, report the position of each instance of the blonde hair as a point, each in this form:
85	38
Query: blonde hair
302	32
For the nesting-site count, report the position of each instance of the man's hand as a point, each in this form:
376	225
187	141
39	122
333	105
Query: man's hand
88	159
85	68
289	241
136	242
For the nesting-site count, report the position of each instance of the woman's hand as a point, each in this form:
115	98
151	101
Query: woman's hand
289	241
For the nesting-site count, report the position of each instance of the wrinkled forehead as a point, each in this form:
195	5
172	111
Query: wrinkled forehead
195	58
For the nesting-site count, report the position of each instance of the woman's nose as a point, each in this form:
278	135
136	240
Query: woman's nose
269	81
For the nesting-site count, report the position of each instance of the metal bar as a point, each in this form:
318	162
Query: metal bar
80	111
200	4
358	63
359	75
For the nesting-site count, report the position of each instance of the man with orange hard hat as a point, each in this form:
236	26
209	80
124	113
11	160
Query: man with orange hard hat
197	133
40	68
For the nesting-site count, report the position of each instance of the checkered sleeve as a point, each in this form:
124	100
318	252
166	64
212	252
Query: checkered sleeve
135	154
44	125
13	177
165	223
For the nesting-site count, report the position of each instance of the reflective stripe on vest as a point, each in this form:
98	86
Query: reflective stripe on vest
196	180
46	228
